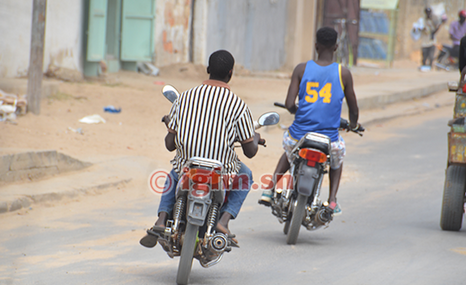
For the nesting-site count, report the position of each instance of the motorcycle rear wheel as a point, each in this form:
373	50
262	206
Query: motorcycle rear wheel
296	219
187	252
453	198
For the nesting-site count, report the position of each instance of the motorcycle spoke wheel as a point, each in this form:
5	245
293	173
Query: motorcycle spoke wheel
187	252
296	219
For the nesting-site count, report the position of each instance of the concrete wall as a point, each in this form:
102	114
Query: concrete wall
263	35
409	12
172	31
63	46
301	29
253	31
15	27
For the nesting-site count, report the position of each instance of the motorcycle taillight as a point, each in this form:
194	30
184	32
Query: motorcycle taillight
200	189
313	155
200	175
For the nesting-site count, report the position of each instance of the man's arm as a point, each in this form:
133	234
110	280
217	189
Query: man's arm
462	58
293	89
350	96
170	140
436	28
171	124
452	32
251	146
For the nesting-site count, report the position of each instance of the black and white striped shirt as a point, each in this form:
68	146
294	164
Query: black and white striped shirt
206	120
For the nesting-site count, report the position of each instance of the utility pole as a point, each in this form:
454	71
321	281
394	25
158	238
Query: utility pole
36	58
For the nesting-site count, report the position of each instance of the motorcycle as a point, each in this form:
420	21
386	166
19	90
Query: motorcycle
191	233
299	203
445	60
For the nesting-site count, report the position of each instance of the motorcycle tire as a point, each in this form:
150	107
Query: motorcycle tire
453	198
187	252
286	228
296	219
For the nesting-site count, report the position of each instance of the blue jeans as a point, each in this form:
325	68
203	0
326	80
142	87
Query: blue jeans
236	195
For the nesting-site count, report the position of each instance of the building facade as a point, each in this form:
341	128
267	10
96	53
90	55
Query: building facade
84	35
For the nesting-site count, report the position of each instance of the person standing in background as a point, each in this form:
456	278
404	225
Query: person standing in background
428	40
457	31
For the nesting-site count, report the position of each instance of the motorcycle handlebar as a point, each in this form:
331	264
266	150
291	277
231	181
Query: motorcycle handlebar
279	105
344	124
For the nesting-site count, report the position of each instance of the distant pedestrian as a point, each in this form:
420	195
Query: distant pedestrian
457	31
462	59
428	39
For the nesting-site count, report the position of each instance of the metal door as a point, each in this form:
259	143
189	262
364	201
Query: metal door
96	30
137	36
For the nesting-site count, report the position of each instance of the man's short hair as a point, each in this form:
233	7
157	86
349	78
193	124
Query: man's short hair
327	37
220	63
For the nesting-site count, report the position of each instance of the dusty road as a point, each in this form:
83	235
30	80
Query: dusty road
388	234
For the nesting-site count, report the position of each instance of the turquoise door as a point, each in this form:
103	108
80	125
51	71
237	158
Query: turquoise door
137	30
97	30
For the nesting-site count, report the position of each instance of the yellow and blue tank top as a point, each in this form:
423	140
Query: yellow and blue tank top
321	94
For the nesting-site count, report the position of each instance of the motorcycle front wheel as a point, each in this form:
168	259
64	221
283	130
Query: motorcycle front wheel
296	219
187	252
453	198
286	227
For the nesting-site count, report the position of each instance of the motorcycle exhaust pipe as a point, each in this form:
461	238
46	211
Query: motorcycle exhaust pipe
218	242
323	216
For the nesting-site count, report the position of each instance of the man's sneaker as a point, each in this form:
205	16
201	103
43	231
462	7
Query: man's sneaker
335	207
266	198
337	211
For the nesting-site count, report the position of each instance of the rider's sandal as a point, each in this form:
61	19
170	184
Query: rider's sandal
149	240
157	229
232	241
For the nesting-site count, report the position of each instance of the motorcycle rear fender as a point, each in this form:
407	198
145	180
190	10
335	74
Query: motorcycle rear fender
307	179
197	210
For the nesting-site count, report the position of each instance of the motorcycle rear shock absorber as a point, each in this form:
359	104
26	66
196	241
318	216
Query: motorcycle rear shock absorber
178	212
212	218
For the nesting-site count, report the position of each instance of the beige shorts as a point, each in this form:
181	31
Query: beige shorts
337	152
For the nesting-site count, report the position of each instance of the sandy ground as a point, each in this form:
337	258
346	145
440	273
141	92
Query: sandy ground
137	130
129	198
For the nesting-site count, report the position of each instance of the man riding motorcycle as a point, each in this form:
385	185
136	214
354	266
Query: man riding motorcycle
205	121
321	86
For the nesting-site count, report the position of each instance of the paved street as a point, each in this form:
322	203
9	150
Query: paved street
388	234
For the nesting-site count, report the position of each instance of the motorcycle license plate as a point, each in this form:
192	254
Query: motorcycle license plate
197	210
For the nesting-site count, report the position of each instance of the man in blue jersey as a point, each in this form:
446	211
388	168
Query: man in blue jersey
321	86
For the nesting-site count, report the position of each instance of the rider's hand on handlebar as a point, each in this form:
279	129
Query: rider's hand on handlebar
357	129
166	120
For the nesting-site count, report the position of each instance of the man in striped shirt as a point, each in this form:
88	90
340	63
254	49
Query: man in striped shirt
205	121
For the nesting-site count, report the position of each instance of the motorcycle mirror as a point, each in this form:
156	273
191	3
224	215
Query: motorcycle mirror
453	86
268	119
170	93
